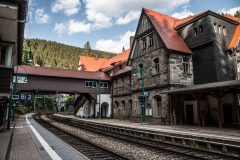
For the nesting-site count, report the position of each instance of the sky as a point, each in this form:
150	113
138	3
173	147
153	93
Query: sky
106	24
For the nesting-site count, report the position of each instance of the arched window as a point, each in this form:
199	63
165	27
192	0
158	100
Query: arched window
116	104
158	101
123	105
156	66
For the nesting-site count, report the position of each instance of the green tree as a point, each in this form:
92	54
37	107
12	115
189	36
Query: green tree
87	46
237	14
53	54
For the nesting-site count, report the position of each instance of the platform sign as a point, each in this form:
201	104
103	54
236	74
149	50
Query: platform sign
25	97
20	79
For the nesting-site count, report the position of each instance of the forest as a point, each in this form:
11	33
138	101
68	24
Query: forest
45	53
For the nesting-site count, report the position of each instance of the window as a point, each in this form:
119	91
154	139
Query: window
94	84
215	28
148	110
6	56
122	81
219	29
158	101
87	84
186	65
144	43
150	40
103	85
123	104
224	30
156	65
201	29
195	32
140	66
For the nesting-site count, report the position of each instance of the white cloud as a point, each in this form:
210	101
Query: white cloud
124	11
128	18
71	27
41	17
60	28
69	7
116	45
183	14
78	26
231	11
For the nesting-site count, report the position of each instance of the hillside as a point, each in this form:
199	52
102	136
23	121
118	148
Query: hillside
57	55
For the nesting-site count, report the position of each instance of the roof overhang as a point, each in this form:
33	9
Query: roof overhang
225	86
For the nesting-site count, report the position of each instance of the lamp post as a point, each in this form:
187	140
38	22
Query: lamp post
142	97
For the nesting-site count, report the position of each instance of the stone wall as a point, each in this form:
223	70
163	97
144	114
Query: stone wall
177	75
122	108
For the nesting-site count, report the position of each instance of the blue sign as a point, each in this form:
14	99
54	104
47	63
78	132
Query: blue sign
25	97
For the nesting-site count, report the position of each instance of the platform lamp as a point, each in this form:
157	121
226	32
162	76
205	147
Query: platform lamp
142	97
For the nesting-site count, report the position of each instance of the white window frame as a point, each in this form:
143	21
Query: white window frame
149	111
150	40
156	66
186	65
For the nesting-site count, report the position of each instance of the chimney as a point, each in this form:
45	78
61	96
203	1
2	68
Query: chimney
131	40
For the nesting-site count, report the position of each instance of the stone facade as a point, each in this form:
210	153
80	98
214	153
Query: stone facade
121	94
211	60
161	69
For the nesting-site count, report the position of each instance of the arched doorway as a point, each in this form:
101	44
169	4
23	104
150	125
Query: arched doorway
104	109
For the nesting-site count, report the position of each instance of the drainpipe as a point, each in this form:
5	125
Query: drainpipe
169	85
112	99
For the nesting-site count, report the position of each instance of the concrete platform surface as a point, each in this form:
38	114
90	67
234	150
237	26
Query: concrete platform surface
30	141
185	130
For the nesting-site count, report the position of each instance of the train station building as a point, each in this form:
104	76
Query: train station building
178	71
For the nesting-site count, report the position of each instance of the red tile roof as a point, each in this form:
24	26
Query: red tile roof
91	63
124	69
119	58
229	16
190	19
64	73
164	25
235	39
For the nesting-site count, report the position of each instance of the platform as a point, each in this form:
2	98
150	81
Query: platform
206	138
211	132
30	141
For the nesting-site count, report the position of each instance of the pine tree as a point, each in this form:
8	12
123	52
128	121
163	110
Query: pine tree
87	46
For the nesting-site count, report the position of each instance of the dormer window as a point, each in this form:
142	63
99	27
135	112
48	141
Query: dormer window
215	28
201	29
219	29
224	31
195	32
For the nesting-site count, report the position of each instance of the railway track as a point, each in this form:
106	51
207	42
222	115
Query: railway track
181	150
90	150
